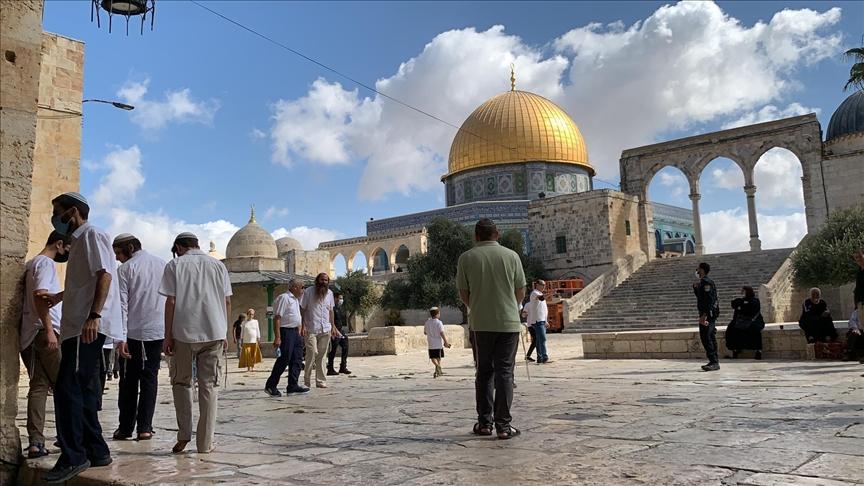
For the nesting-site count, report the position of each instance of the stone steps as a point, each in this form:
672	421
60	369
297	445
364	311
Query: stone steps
660	294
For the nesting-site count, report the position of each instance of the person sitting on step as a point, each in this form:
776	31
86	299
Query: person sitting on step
816	320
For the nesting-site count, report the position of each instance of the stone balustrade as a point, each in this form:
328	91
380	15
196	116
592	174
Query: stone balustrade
779	341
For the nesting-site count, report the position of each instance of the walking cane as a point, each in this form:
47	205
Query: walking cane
225	360
525	354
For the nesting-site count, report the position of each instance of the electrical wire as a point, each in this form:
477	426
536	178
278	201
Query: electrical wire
356	81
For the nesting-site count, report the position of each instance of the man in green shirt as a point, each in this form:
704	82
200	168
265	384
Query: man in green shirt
491	284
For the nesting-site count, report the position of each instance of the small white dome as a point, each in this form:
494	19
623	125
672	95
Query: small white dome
286	244
252	241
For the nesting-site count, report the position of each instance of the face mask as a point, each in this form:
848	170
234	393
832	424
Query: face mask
341	301
62	257
697	275
60	226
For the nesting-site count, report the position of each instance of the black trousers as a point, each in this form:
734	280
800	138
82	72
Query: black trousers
331	355
292	350
140	372
854	345
496	356
708	335
76	398
533	338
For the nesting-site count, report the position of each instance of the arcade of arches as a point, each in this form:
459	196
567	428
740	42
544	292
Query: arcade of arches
384	254
744	146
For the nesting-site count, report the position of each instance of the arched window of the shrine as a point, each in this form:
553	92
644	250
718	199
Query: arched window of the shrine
380	262
339	266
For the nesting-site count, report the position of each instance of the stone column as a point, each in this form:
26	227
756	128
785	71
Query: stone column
755	244
21	45
697	219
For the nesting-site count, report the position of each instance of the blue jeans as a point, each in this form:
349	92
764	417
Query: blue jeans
540	338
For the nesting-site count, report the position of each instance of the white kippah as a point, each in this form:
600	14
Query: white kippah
77	196
186	236
433	309
123	237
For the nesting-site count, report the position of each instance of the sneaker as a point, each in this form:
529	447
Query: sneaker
529	358
63	474
298	390
344	371
102	462
331	372
273	392
321	385
711	367
109	377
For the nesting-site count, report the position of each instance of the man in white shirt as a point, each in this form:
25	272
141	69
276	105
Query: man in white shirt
91	314
40	336
198	292
317	305
144	319
538	314
289	341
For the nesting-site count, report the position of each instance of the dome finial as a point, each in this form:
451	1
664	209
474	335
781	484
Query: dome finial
252	214
512	77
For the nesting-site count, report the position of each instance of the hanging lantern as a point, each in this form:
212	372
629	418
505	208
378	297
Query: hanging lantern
126	8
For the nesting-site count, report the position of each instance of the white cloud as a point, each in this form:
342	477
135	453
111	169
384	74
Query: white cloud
274	212
123	179
729	231
729	177
310	238
778	180
675	183
686	64
257	134
178	106
770	113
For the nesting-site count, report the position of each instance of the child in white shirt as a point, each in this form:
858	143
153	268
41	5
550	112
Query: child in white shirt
436	339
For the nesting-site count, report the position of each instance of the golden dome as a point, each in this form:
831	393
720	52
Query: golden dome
517	126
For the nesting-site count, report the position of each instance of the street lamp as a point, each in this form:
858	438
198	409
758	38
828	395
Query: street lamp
116	104
72	114
126	8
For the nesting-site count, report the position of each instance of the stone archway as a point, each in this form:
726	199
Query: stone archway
800	135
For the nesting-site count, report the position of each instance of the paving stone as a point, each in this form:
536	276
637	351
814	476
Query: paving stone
766	479
835	466
584	422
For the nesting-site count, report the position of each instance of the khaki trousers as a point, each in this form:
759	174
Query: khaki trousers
42	366
207	357
316	351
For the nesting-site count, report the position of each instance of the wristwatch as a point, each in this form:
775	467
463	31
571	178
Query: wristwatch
94	315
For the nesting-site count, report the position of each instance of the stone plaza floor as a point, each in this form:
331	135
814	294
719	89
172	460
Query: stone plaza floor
591	422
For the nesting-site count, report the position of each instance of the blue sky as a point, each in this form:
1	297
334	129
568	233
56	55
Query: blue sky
226	120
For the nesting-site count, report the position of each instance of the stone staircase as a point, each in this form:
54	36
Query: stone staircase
660	294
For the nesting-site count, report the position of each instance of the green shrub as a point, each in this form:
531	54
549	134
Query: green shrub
825	258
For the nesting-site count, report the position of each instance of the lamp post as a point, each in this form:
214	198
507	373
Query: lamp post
126	8
116	104
72	114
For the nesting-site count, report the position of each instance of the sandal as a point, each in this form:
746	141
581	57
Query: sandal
36	450
145	435
480	429
118	435
508	432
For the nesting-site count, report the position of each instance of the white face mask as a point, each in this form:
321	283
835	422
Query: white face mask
697	275
341	301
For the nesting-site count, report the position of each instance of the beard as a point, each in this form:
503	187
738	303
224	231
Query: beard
321	290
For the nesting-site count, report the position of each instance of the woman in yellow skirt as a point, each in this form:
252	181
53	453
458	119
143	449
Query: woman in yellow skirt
251	352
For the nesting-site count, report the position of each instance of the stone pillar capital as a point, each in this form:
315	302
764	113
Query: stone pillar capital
750	190
695	196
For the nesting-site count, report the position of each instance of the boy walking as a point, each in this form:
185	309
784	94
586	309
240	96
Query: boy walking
436	339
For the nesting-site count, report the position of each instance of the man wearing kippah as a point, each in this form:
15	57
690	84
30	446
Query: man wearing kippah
91	314
143	311
491	284
197	309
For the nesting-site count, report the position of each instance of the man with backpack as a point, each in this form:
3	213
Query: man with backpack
709	310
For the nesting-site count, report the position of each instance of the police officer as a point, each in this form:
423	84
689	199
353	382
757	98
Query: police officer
709	310
340	321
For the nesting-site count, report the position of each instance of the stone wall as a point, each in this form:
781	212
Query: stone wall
400	340
593	226
309	263
842	170
252	296
780	298
56	158
602	285
21	48
779	341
